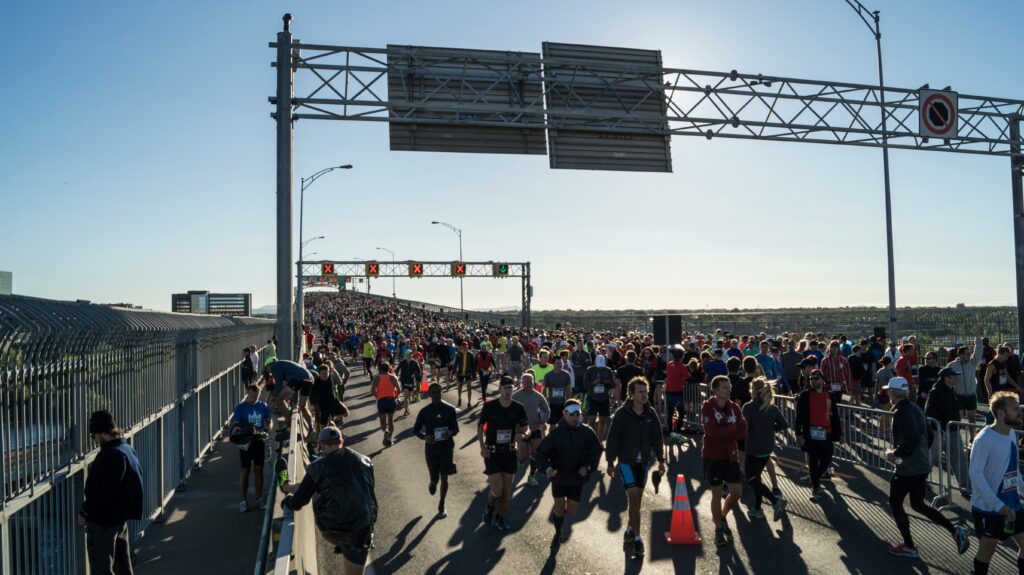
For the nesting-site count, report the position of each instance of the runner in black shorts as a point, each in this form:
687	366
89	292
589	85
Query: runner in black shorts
723	426
250	423
436	424
569	454
599	385
633	422
505	420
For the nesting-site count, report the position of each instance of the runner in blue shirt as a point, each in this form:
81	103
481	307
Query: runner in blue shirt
250	424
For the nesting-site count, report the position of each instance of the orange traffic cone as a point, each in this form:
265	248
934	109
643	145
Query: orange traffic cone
424	385
682	532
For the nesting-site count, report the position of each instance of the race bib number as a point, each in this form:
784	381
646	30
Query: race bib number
837	387
503	436
557	393
440	433
599	388
818	433
1010	481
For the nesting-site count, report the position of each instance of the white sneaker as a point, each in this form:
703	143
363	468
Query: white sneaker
243	506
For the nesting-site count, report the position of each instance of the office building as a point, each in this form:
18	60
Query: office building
204	302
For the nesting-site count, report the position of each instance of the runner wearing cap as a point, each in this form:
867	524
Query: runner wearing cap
944	407
599	385
505	419
911	439
345	508
437	424
537	414
817	427
569	455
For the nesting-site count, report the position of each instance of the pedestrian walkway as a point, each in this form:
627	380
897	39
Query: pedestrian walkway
203	531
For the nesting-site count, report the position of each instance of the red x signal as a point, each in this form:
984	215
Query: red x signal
460	269
416	269
373	269
326	269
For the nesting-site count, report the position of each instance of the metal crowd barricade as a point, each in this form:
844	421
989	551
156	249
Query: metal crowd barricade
170	380
867	436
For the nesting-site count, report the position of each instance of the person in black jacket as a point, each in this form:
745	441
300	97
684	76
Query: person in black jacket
569	454
113	495
635	441
345	509
817	427
944	407
248	368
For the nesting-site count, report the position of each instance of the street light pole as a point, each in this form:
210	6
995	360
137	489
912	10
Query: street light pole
872	21
393	296
300	303
458	232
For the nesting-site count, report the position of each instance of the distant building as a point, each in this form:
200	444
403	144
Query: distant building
238	304
6	283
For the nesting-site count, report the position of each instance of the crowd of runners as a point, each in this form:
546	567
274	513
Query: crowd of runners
567	399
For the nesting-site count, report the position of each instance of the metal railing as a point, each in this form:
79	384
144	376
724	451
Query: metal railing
170	380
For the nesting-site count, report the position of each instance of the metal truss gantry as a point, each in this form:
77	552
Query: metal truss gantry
351	83
433	269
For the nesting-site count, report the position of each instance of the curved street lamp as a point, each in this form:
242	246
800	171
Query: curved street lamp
457	232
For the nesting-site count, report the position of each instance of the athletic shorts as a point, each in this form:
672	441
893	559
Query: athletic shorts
303	387
386	405
254	454
967	402
573	492
990	525
556	413
464	378
354	547
633	475
536	434
719	471
598	407
440	463
501	462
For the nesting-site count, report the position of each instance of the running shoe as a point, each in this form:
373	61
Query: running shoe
441	513
726	530
532	481
816	495
902	550
756	513
962	539
778	509
501	524
243	506
638	549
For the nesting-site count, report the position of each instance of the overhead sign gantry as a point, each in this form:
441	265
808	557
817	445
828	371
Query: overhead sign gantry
606	108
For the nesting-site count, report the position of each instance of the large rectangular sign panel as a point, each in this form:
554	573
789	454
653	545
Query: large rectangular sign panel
625	85
477	101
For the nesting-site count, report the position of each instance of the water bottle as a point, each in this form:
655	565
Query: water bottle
281	471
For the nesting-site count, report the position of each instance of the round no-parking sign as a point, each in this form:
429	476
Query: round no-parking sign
937	114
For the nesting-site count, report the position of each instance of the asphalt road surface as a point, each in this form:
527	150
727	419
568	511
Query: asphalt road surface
848	532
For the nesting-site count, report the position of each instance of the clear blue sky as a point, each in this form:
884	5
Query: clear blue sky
137	159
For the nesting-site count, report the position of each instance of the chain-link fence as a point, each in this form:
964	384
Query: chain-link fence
170	380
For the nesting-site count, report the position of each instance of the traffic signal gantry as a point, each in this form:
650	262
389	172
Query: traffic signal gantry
422	269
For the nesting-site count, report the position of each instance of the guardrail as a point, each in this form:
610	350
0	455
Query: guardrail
294	531
170	380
